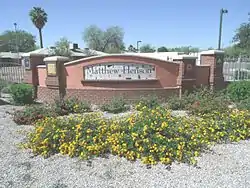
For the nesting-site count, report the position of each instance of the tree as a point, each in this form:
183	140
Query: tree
162	49
109	40
185	49
25	41
147	48
242	36
131	48
39	18
62	48
210	48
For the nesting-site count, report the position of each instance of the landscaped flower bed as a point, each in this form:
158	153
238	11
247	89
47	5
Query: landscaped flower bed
152	136
31	113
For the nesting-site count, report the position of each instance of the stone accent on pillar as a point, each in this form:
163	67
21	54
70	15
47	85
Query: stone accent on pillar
215	59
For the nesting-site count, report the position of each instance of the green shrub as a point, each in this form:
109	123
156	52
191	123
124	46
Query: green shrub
206	101
3	84
22	94
209	105
71	105
244	104
116	105
201	101
31	114
6	89
177	103
239	90
150	102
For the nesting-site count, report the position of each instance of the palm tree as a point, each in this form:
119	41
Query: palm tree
39	18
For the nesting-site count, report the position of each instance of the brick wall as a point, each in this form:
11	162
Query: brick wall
99	96
172	78
48	95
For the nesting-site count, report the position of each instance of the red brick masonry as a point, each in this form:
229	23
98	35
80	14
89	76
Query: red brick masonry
172	78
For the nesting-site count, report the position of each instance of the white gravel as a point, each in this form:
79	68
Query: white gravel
225	166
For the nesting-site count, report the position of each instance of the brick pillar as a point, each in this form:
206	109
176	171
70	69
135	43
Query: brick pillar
186	79
56	77
215	59
31	73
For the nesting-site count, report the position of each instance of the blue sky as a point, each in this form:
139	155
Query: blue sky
158	22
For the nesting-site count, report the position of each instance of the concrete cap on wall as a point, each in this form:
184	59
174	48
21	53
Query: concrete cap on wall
212	52
181	57
56	59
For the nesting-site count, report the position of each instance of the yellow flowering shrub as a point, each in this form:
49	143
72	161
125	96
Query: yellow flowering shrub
152	135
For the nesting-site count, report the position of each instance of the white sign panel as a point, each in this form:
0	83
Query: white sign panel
120	71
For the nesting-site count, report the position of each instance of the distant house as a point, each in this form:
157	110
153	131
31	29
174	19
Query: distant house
10	58
76	53
166	56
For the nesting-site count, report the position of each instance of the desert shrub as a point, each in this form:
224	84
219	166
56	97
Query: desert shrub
201	101
6	89
116	105
31	114
3	84
71	105
208	105
207	101
177	103
22	94
239	90
152	136
244	104
149	102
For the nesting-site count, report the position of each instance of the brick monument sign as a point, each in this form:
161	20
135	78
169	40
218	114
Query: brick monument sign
100	78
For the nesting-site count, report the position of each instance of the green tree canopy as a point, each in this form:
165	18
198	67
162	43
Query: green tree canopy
109	40
147	48
25	41
62	47
162	49
131	48
242	38
185	49
241	41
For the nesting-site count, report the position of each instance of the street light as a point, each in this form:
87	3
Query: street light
17	49
137	45
222	11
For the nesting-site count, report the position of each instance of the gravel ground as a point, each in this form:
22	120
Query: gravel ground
225	166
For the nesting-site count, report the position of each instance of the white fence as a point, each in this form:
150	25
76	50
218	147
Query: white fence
11	72
236	69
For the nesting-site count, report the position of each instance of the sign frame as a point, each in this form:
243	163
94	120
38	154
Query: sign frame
51	69
119	71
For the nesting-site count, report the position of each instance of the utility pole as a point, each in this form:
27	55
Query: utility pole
137	45
17	48
222	11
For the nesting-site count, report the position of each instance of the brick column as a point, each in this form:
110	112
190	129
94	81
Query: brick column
56	77
215	59
186	79
31	73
